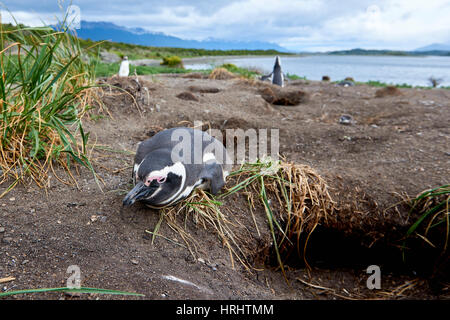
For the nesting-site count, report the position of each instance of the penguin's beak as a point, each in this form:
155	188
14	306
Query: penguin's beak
139	191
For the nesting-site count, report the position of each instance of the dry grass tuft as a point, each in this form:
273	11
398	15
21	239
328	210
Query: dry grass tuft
387	91
221	74
292	198
296	200
205	212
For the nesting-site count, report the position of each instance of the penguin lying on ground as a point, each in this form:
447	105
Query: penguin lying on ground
276	76
164	175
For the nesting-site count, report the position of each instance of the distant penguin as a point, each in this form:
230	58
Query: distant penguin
124	70
162	176
276	76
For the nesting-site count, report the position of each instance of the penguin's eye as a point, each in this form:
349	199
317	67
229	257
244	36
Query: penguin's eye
161	180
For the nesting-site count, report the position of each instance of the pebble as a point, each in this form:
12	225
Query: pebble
12	199
2	229
25	261
201	260
346	119
7	240
134	261
73	294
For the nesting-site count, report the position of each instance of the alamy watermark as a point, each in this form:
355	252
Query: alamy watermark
374	280
241	145
74	281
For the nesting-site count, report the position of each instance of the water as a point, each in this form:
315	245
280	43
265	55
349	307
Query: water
389	69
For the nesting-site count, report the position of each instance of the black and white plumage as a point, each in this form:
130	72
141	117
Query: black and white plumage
164	175
124	69
277	76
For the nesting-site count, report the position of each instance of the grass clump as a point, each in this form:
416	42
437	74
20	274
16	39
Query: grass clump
172	61
221	74
45	89
387	91
243	72
293	199
432	207
295	77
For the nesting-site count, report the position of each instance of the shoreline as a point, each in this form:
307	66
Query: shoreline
204	59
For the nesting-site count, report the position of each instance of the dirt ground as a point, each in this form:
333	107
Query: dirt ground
395	145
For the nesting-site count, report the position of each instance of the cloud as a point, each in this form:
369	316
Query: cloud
294	24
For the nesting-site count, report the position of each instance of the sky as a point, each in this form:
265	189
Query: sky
298	25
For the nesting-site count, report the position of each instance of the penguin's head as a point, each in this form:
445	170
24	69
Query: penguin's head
277	61
158	181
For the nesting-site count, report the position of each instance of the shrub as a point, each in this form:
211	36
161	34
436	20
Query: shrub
172	61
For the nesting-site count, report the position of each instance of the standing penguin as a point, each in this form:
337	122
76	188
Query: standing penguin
276	76
124	69
167	169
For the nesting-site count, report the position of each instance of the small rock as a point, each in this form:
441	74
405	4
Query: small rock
25	261
2	229
73	294
346	138
12	199
201	260
346	119
7	240
134	261
32	210
374	126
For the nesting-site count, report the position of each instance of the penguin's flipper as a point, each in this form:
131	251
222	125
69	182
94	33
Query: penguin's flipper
214	174
266	77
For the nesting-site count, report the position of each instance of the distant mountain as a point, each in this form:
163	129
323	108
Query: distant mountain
109	31
368	52
435	47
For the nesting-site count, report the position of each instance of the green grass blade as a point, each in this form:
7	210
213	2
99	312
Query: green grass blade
65	289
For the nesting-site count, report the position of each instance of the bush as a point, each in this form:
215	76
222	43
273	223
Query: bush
434	81
172	61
